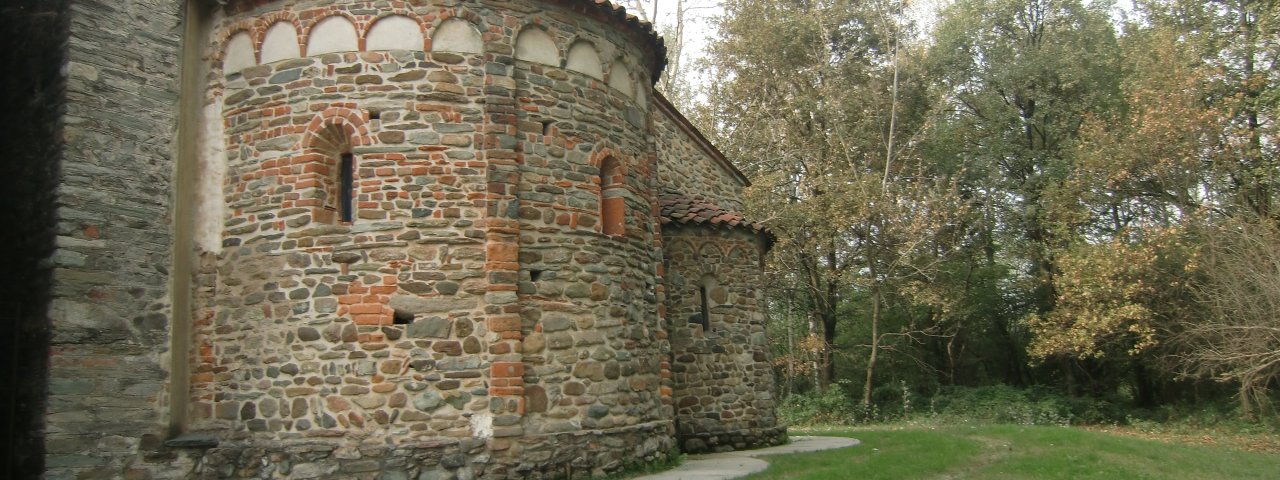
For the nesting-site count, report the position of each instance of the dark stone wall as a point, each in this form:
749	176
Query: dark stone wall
109	312
31	102
722	376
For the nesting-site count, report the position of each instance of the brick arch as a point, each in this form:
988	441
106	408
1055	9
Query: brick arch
679	246
353	121
537	24
384	10
331	135
310	22
462	13
593	67
604	149
364	30
224	35
264	23
224	49
444	17
707	251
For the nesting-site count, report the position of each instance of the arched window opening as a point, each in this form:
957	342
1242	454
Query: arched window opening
346	188
613	207
329	182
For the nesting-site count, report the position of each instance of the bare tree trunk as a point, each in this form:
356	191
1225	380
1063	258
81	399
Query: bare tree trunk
819	360
952	356
1068	376
1246	401
875	346
791	350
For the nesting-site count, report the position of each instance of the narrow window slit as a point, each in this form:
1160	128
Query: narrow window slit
705	318
346	187
534	275
546	126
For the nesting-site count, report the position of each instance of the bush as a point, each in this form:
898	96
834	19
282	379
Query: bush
832	407
1005	404
990	404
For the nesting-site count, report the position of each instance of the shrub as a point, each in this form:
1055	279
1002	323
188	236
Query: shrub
832	407
1036	406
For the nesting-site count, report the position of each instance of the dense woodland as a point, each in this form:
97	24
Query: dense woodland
1043	195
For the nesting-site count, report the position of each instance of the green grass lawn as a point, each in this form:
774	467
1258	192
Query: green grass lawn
1014	452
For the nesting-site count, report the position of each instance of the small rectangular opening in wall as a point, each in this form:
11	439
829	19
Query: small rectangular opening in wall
375	114
401	317
705	318
346	187
535	275
546	126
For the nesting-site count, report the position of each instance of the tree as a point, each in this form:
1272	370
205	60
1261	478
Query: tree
1239	341
807	99
1235	42
1021	78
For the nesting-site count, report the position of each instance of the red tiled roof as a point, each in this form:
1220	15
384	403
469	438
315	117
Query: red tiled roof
686	210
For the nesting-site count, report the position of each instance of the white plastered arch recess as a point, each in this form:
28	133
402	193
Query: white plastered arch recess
535	45
394	32
280	43
456	35
333	34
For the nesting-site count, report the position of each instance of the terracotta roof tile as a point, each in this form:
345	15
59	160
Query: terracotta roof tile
685	209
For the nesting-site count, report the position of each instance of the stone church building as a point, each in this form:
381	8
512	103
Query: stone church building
433	239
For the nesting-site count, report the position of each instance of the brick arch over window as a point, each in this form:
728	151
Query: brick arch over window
237	53
335	33
613	202
327	182
280	42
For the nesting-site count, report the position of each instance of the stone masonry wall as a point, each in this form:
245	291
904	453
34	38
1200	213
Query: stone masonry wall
589	312
723	378
494	309
683	166
110	311
408	339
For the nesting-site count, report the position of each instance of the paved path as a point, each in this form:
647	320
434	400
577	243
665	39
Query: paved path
724	466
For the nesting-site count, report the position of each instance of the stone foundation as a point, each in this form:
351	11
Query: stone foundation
578	454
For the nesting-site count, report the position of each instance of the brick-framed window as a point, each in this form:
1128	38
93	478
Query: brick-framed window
613	208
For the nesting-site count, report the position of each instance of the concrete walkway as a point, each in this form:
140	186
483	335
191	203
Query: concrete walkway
724	466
